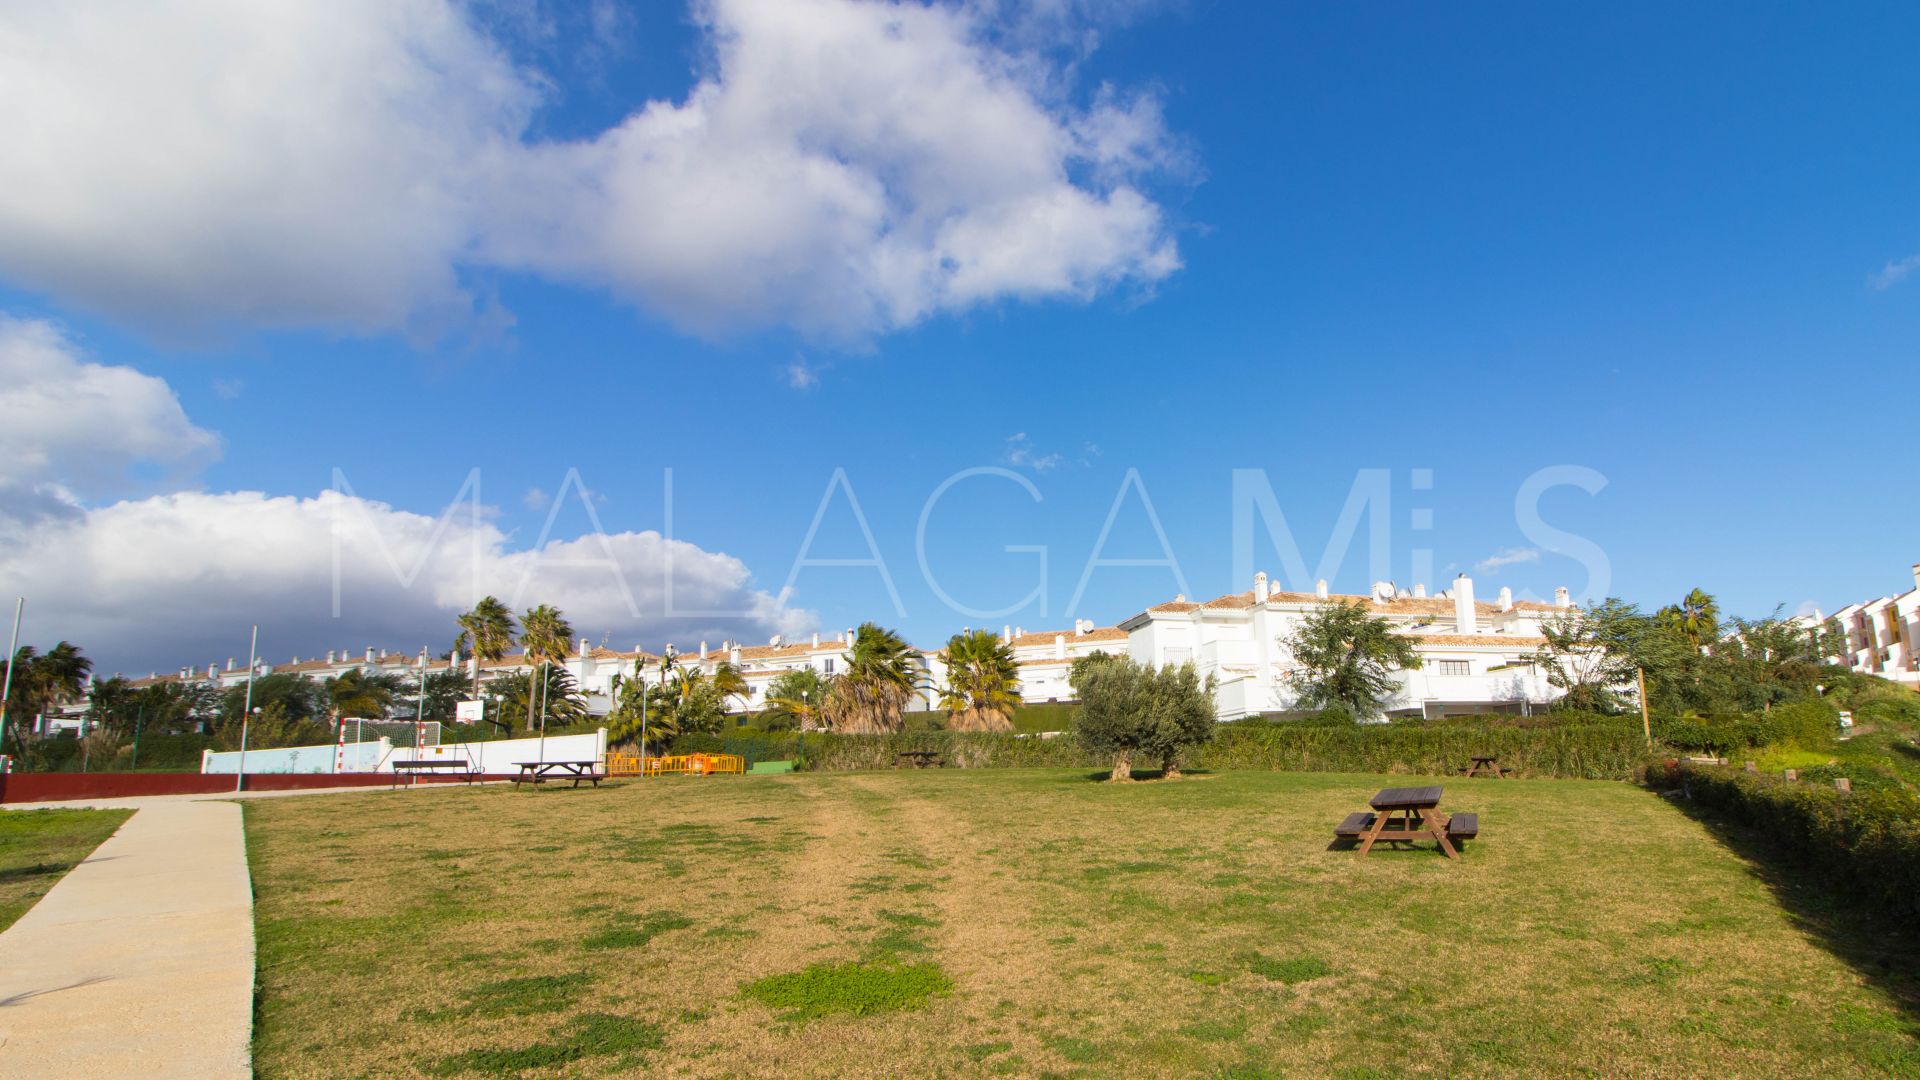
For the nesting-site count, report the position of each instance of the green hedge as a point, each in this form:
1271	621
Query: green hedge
1611	750
1869	840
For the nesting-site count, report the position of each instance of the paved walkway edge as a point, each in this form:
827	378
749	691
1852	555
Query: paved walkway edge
139	962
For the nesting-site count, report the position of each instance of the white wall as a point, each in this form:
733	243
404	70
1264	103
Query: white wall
501	756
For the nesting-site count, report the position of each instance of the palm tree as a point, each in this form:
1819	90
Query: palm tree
1696	618
545	634
551	686
353	692
883	672
983	683
796	697
485	633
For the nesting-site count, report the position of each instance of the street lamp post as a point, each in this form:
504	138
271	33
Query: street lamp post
6	691
246	710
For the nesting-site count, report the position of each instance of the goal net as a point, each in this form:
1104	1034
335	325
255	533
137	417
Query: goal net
397	732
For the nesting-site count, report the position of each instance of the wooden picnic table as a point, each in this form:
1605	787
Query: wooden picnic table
413	768
1406	814
1486	764
539	772
919	759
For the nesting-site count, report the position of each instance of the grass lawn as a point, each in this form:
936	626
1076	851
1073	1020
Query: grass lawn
1033	923
37	847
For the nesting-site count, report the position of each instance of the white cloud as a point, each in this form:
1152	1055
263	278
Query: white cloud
1507	557
535	499
229	389
170	579
73	429
1021	454
843	167
1894	272
176	579
802	375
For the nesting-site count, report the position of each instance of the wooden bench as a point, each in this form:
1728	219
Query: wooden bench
1353	825
1359	822
1464	826
539	772
412	768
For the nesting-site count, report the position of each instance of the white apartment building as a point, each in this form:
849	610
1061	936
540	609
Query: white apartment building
1880	634
1476	656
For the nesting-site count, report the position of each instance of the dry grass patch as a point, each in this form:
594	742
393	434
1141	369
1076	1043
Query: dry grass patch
1026	923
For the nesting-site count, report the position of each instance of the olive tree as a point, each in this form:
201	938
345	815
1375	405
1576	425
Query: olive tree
1129	709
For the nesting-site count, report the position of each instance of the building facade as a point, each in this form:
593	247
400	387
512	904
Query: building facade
1879	635
1476	656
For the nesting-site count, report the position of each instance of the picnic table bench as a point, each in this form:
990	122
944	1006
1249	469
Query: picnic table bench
1488	765
413	768
539	772
1405	814
918	759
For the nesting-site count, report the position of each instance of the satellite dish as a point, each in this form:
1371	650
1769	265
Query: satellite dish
1383	590
774	641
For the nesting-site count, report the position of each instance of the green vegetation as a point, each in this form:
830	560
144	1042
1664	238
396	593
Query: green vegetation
1035	921
983	683
882	675
38	847
1128	709
1346	658
857	989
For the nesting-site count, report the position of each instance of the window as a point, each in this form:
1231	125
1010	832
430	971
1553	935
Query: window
829	668
1452	667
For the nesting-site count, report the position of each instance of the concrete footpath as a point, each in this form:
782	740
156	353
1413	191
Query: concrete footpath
138	963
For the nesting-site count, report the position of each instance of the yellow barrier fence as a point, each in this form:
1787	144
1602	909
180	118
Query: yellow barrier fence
690	764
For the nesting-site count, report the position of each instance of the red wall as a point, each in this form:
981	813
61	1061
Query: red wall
53	787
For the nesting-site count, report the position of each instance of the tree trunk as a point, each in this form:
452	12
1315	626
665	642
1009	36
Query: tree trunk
1122	767
1171	769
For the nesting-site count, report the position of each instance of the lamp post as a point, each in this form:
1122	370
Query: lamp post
246	710
6	690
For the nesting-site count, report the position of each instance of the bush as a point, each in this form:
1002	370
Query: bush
1868	840
1609	750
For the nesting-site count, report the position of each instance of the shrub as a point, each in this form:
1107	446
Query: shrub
1869	839
1613	749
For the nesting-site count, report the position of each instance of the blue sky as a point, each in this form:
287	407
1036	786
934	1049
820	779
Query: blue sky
1663	245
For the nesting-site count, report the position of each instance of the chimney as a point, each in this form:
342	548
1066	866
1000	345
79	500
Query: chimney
1006	633
703	650
1059	646
383	654
1320	588
369	654
229	663
329	656
1019	631
1082	627
849	637
473	667
1506	598
1420	591
1916	575
213	670
583	646
1466	618
1561	598
733	656
816	639
1260	587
